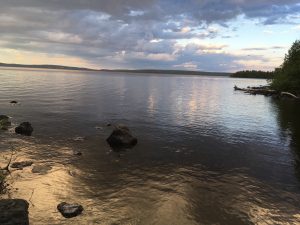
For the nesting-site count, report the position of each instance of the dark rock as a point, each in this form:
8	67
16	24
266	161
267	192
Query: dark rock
69	210
79	139
108	125
2	117
121	137
13	102
14	212
41	169
77	153
21	165
24	128
4	122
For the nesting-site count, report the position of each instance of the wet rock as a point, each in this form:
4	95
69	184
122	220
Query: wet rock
69	210
78	139
21	165
121	137
4	122
41	169
24	128
14	212
2	117
13	102
77	153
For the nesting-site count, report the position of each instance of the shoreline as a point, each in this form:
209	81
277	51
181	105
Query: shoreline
266	91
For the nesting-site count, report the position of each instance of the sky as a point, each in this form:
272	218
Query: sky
205	35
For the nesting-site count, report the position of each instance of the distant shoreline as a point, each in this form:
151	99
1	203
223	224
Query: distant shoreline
150	71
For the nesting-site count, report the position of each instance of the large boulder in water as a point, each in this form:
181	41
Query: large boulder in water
4	122
69	210
121	137
24	128
14	212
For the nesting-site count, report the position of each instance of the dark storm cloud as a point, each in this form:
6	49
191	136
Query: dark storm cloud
131	33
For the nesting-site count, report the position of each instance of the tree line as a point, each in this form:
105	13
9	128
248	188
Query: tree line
254	74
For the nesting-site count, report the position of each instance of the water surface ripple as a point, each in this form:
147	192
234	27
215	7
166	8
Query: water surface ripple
206	154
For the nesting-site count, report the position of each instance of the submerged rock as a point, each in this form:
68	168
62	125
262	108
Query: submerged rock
78	138
13	102
21	165
69	210
121	137
2	117
24	128
14	212
77	153
4	122
41	169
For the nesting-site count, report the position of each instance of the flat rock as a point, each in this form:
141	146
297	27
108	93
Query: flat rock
24	128
121	137
69	210
41	169
21	165
14	212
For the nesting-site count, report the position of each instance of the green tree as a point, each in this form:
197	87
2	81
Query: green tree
287	76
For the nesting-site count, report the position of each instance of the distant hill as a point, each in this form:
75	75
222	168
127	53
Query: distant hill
153	71
56	67
185	72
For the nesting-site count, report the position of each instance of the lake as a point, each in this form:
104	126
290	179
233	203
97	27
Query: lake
205	154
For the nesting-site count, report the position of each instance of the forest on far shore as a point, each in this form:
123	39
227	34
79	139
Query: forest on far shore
253	74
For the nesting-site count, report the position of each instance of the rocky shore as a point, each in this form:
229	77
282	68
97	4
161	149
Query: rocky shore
16	211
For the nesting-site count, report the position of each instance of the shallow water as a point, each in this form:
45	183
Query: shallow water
205	154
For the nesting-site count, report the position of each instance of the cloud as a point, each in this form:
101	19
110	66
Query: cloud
134	33
263	48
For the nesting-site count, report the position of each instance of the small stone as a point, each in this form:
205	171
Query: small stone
21	165
69	210
78	139
77	153
24	128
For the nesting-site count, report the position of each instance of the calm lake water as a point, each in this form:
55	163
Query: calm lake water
205	154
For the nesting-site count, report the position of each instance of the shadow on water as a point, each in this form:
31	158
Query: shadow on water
288	112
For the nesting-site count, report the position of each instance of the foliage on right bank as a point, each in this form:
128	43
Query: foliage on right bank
287	76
